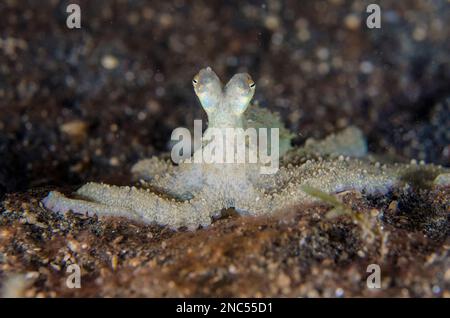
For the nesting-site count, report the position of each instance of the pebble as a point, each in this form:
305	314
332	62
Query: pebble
76	129
114	161
109	62
352	22
272	22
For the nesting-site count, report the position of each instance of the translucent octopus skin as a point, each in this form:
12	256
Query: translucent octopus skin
189	195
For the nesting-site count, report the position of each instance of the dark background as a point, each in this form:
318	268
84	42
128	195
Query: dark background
78	105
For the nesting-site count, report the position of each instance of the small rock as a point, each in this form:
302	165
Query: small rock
352	22
393	206
76	129
109	62
272	22
114	161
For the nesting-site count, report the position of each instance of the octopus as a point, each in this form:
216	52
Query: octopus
190	195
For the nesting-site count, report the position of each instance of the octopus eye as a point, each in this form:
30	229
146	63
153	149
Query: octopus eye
195	79
252	84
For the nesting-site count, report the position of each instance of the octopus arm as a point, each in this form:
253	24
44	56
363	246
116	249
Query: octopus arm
130	202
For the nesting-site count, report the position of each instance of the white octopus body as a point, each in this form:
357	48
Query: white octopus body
190	194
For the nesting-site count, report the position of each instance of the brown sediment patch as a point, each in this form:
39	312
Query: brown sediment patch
294	253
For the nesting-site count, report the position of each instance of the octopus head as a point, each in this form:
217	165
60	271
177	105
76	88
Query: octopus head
208	88
238	92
